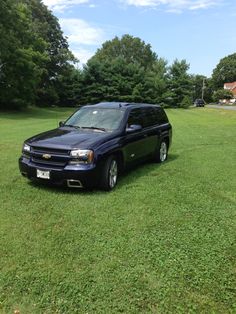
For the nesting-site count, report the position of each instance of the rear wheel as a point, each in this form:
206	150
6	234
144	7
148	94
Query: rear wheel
109	174
162	152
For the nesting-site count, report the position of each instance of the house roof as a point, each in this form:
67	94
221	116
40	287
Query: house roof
231	86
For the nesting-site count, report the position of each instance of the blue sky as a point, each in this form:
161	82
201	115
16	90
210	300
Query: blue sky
200	31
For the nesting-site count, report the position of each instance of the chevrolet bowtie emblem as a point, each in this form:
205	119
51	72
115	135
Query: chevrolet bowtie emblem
47	156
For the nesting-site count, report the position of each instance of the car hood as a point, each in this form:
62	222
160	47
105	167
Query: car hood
70	138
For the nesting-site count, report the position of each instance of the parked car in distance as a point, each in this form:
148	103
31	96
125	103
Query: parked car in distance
199	103
96	144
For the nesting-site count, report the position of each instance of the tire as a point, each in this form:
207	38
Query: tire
162	152
109	174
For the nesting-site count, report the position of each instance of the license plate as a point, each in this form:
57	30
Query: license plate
43	174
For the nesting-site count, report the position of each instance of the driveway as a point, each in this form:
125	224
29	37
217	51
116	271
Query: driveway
221	107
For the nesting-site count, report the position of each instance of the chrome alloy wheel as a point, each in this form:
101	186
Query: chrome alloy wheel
113	173
163	151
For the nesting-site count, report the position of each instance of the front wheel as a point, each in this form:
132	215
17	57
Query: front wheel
109	174
162	152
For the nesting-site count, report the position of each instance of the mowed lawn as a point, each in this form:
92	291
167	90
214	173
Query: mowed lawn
162	242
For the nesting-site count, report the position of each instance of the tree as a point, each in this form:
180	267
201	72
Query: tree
131	49
186	102
155	83
69	86
225	71
21	56
46	25
179	83
34	54
222	94
124	69
115	80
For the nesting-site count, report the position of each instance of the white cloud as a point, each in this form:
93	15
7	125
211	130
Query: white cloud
83	55
174	5
83	38
201	5
142	3
80	32
61	5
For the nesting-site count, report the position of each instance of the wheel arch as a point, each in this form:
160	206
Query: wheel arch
167	140
120	160
118	154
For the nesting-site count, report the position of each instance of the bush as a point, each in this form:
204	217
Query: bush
222	94
186	102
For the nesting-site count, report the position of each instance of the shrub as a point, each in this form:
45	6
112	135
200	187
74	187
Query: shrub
186	102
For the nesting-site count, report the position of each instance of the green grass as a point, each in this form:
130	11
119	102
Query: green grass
162	242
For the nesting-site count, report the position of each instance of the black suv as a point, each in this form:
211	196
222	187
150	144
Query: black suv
96	144
199	103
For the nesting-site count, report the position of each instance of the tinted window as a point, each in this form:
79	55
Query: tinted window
161	116
135	117
149	116
199	101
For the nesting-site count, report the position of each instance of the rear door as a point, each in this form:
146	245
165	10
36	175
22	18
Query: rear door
164	128
151	129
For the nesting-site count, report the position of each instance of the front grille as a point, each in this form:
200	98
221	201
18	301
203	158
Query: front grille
51	151
59	157
53	163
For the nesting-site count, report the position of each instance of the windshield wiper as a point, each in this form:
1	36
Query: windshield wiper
72	126
93	128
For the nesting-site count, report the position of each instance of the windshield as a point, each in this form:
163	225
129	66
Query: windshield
103	119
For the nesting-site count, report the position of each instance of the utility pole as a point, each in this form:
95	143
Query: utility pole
203	87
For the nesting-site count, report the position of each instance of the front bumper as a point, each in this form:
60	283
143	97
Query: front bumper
88	175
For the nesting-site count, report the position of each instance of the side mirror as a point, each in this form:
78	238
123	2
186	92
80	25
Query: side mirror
61	123
133	128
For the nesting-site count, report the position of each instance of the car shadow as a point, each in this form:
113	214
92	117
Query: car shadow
141	170
128	177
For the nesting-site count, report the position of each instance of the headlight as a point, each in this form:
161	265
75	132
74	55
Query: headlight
26	148
81	156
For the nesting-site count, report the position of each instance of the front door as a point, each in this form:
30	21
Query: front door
136	145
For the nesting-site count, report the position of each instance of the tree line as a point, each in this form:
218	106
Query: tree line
37	67
34	55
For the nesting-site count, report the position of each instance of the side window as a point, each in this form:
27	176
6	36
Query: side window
149	117
161	116
135	117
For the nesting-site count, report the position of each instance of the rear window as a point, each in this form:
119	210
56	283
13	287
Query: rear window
199	101
161	116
